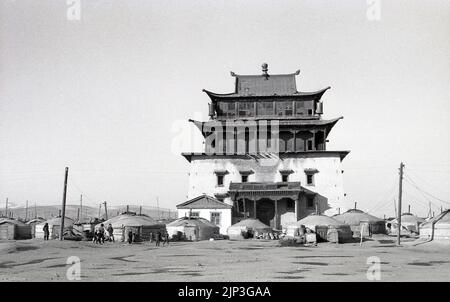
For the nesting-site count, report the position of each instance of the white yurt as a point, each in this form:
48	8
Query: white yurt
247	228
356	218
192	228
324	227
142	226
32	223
438	228
54	227
409	223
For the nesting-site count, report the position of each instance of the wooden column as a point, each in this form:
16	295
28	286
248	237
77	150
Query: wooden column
245	212
254	208
276	215
296	208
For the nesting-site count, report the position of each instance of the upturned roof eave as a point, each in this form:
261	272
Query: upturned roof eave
223	96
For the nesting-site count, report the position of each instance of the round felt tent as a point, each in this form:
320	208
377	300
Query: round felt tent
356	218
247	228
409	222
325	226
438	228
192	228
32	223
11	229
141	226
54	226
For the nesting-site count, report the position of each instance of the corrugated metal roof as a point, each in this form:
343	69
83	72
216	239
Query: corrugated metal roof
203	202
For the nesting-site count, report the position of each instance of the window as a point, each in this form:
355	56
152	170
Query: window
226	109
194	214
310	145
220	179
310	179
265	108
310	202
246	109
285	177
284	108
244	178
299	107
215	218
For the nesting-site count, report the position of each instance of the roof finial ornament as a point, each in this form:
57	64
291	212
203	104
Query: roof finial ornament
265	69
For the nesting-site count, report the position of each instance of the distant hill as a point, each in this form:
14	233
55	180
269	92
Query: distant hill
90	212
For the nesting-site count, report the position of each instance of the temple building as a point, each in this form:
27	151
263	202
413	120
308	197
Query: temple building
265	155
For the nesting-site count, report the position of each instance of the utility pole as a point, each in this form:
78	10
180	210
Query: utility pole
99	210
106	211
399	212
61	232
355	205
35	211
395	208
6	208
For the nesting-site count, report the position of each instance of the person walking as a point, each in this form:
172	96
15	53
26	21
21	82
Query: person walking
46	231
130	236
101	234
158	238
110	233
166	239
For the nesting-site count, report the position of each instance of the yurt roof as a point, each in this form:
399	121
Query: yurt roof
409	218
129	220
354	217
441	219
36	220
11	221
318	219
57	221
191	221
252	223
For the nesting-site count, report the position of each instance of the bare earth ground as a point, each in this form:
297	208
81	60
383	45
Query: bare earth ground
223	260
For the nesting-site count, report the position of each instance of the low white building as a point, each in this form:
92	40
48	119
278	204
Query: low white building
209	208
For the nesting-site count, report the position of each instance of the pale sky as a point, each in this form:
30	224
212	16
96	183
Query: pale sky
106	94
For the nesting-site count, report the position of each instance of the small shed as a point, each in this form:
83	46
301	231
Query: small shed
356	218
192	228
325	226
438	228
247	228
54	227
142	226
11	229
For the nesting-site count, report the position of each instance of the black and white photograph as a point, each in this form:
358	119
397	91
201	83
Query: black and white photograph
224	142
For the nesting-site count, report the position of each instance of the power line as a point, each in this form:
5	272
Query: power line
417	187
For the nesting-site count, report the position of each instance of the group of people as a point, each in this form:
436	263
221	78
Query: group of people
158	238
99	234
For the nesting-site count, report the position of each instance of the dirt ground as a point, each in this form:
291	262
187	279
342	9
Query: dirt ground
224	260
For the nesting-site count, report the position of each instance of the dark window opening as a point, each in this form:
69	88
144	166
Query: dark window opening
244	178
310	112
310	179
220	180
285	178
310	144
194	214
